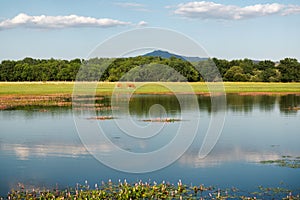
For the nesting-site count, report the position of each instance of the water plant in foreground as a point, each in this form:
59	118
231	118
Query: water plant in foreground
150	190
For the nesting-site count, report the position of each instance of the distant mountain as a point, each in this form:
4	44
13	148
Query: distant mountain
165	54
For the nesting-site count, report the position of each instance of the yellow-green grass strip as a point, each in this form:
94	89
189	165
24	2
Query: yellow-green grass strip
66	88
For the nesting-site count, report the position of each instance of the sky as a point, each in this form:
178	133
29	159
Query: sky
229	29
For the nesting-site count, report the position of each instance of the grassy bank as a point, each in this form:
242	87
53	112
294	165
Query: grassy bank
66	88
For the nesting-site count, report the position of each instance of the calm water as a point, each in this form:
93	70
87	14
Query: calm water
43	149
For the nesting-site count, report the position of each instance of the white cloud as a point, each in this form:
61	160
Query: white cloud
291	10
211	10
133	6
128	4
44	21
142	23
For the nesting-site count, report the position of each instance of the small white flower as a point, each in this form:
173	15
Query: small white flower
179	182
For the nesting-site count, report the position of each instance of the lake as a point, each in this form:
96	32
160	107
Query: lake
41	148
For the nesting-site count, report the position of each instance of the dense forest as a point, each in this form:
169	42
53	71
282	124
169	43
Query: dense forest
148	68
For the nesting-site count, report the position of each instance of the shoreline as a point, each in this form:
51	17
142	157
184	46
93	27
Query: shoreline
14	94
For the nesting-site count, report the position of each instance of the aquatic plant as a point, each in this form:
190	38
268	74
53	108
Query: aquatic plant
102	117
161	120
54	100
148	190
12	102
285	161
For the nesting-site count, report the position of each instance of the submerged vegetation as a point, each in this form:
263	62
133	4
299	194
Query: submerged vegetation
102	117
285	161
150	68
168	120
149	190
13	102
246	102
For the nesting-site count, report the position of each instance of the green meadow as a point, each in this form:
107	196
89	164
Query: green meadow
66	88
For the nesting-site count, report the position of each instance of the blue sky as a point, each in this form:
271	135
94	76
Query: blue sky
231	29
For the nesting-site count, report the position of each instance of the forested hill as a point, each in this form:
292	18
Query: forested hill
149	68
165	54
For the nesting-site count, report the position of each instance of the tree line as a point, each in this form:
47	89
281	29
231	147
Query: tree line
147	68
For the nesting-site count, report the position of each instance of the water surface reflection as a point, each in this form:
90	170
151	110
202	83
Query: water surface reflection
43	148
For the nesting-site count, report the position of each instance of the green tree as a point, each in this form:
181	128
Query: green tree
233	73
149	68
247	66
265	64
222	65
208	70
270	75
289	69
256	77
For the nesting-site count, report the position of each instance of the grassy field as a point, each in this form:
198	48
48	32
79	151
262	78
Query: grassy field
66	88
